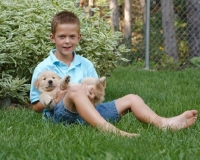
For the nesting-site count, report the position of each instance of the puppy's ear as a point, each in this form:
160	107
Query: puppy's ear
103	81
36	83
91	93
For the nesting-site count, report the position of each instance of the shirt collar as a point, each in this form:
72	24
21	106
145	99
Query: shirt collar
76	60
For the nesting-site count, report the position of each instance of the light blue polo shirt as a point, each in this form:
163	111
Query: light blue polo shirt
79	68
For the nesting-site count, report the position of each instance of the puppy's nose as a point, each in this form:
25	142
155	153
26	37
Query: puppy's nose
50	81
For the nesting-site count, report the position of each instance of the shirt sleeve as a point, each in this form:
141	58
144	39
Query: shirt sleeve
92	72
34	93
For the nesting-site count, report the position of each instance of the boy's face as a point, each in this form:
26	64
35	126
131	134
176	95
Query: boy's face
65	38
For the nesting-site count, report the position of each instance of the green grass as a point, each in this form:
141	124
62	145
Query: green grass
24	135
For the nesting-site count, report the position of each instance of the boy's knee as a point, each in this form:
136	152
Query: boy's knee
133	97
75	91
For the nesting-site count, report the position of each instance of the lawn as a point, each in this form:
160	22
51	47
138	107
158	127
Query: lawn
25	136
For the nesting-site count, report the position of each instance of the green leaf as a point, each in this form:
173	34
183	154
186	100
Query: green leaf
195	61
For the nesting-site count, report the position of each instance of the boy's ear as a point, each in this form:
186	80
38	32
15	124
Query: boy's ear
52	38
79	38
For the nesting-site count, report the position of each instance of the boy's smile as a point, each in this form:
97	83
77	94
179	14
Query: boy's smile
65	38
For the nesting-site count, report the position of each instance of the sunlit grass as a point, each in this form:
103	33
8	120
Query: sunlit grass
25	136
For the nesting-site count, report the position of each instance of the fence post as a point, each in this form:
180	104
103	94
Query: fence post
147	34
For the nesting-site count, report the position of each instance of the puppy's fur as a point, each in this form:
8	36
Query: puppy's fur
47	82
99	85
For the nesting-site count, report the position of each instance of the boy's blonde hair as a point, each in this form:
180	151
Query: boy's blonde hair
64	17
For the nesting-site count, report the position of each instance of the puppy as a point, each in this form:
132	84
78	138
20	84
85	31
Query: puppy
47	82
98	86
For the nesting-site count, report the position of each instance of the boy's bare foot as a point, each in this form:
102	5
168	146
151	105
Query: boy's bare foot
108	127
181	121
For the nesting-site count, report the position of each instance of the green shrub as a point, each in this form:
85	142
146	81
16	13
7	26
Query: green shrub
24	37
14	88
195	61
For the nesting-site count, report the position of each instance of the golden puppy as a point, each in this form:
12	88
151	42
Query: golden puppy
47	82
98	85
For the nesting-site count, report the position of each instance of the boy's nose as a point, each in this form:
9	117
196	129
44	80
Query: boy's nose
67	40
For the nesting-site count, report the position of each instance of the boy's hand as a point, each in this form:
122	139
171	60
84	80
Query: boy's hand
60	93
89	92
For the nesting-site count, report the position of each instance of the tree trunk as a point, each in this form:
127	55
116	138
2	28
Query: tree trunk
87	5
91	5
143	8
127	23
81	3
168	26
193	21
115	14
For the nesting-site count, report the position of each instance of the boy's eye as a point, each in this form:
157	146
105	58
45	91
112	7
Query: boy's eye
73	36
62	36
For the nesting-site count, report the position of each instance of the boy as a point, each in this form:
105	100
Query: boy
76	106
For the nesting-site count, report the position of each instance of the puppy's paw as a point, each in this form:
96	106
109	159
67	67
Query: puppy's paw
65	83
51	104
67	79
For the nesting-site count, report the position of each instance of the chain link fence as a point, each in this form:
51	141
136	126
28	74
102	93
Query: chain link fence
172	37
174	33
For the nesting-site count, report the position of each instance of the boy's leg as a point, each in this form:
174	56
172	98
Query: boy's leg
143	113
76	96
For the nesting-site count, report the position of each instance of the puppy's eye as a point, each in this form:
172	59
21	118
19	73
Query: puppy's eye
54	77
44	78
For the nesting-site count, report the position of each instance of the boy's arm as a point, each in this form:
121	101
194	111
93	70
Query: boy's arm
38	107
59	95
